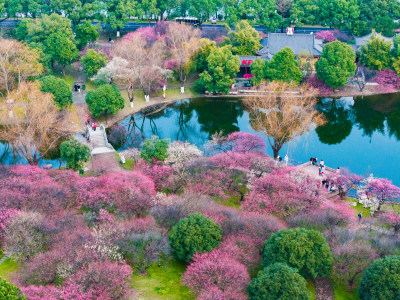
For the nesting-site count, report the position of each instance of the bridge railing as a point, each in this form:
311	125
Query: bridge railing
104	134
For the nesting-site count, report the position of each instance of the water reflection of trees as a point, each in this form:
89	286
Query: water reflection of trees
338	124
221	115
370	114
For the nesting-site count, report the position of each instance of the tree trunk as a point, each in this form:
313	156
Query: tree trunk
276	152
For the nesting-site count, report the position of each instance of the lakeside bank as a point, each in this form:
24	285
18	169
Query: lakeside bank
172	95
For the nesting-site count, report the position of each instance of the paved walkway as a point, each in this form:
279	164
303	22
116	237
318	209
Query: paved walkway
312	170
103	154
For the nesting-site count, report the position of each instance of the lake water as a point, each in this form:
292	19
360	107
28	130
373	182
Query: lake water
362	134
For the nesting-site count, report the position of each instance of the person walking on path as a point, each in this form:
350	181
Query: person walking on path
359	217
94	126
322	163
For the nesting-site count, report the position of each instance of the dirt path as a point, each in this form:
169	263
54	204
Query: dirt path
323	289
105	163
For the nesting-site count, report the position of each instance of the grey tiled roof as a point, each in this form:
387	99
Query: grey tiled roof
364	39
296	42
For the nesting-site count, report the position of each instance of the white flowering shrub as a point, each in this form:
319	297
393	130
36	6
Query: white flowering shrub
179	154
132	153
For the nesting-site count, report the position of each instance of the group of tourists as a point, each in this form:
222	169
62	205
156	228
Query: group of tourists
91	124
321	169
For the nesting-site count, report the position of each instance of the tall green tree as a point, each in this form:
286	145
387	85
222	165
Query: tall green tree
201	9
147	8
93	61
284	67
261	11
64	50
74	153
222	68
340	14
336	64
245	40
106	99
52	35
85	33
118	12
304	12
376	54
258	69
206	47
380	15
59	88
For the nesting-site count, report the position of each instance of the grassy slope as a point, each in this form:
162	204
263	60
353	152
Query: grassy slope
163	282
359	208
7	268
311	289
341	293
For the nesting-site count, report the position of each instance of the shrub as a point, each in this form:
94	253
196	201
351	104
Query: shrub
216	270
305	250
240	142
327	216
32	188
173	208
74	153
283	192
154	148
117	136
104	76
381	280
85	32
93	61
59	88
125	193
278	281
140	250
25	236
104	280
325	35
199	86
350	260
195	233
5	216
179	154
242	248
105	99
48	292
314	82
8	291
387	80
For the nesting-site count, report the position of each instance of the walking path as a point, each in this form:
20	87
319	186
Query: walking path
323	289
103	153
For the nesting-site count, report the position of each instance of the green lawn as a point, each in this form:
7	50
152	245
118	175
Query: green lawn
359	208
311	288
7	268
342	293
129	162
162	282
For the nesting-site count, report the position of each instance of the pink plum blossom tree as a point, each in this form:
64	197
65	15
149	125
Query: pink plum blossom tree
325	35
216	270
383	189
